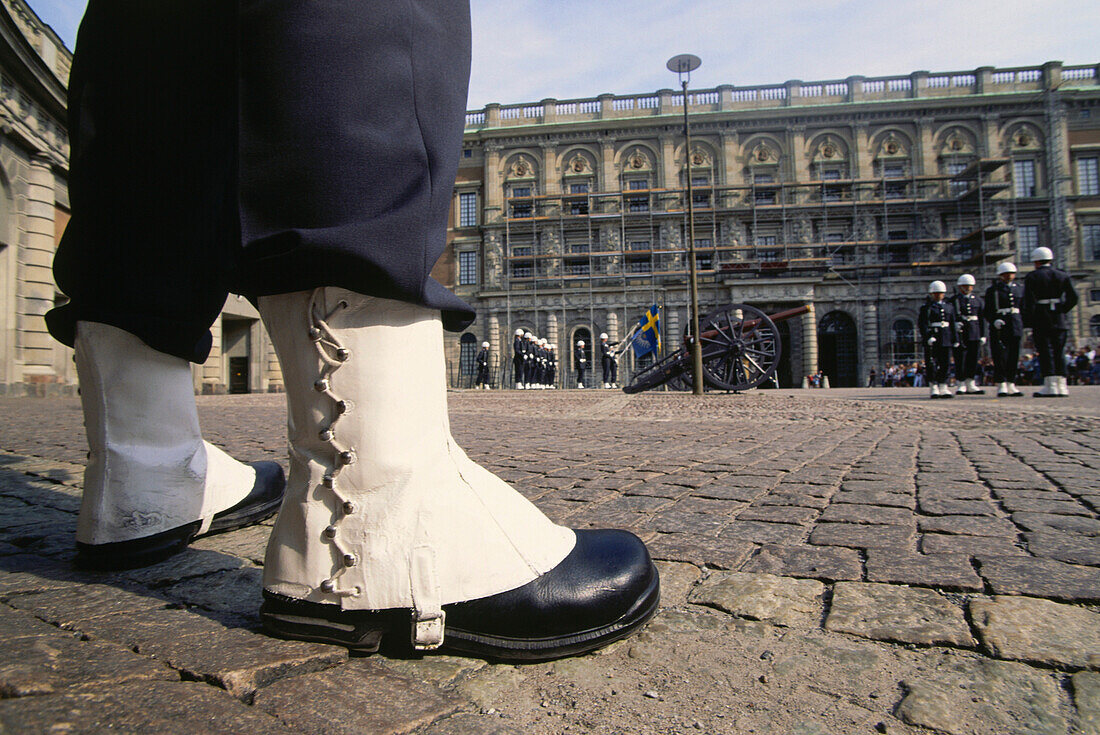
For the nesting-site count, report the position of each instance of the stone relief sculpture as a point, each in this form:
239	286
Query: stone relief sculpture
494	267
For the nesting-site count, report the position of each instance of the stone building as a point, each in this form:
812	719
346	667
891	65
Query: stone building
34	200
569	217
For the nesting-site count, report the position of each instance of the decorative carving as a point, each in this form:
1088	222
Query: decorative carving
931	225
579	164
700	157
802	230
764	153
522	168
609	238
494	269
957	142
670	236
866	229
551	242
733	233
638	160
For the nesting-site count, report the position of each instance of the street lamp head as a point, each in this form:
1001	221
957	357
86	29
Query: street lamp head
684	64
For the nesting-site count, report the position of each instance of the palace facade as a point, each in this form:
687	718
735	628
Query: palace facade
570	216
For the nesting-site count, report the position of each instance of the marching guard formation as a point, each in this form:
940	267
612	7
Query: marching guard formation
534	361
956	327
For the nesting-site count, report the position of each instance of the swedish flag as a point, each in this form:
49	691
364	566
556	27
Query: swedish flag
648	338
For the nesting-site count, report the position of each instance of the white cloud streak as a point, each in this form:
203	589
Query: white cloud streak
527	50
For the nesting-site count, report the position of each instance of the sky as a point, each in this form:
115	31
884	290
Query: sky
529	50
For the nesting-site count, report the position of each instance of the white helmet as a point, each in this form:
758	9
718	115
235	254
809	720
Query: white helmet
1005	268
603	335
528	335
937	287
553	347
519	332
542	341
1041	254
485	345
580	343
965	280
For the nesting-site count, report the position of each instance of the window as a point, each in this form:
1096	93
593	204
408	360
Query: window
893	170
1023	178
700	195
831	193
578	247
578	188
467	268
954	168
576	268
1027	239
637	203
522	270
522	251
1094	326
767	241
578	207
521	208
638	245
704	261
767	194
639	264
1094	295
467	209
905	340
898	235
467	152
1088	176
467	355
1090	241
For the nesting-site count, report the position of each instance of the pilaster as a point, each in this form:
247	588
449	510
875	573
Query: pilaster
36	287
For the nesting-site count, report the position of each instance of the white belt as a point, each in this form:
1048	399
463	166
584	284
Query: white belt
971	317
1011	310
941	325
1053	303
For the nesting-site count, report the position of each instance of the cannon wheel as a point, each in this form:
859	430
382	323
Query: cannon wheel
736	358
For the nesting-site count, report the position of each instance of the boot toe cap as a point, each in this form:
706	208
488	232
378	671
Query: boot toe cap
603	589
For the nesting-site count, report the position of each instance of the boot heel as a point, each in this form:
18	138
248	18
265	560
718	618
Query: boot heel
318	630
357	630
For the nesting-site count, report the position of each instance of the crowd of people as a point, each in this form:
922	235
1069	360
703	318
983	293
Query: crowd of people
1082	368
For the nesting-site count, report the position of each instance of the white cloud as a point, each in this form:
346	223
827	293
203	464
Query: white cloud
529	50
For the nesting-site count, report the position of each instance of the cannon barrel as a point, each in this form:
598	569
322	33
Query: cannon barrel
750	324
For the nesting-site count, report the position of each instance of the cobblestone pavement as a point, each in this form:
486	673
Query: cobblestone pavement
841	561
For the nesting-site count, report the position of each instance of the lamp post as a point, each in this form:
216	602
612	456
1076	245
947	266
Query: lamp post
683	65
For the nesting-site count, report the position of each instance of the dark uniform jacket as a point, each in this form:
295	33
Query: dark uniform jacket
1048	295
1005	301
937	319
968	315
519	348
483	359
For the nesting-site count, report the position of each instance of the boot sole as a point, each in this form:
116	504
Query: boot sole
149	550
365	635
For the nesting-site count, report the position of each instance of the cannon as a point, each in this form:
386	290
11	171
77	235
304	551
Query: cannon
741	348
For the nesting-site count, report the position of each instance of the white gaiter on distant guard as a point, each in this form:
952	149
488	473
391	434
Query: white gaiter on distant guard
148	468
383	510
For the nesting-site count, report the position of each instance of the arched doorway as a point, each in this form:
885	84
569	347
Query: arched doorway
580	335
905	341
837	354
467	357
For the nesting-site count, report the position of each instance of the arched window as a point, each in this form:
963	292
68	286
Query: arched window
905	341
582	335
467	356
837	354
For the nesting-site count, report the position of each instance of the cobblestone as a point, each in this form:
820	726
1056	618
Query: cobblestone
869	520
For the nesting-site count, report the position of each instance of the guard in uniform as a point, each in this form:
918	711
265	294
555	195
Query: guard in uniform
1004	301
528	360
482	382
971	332
551	365
519	349
1048	296
542	363
580	363
937	329
609	362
